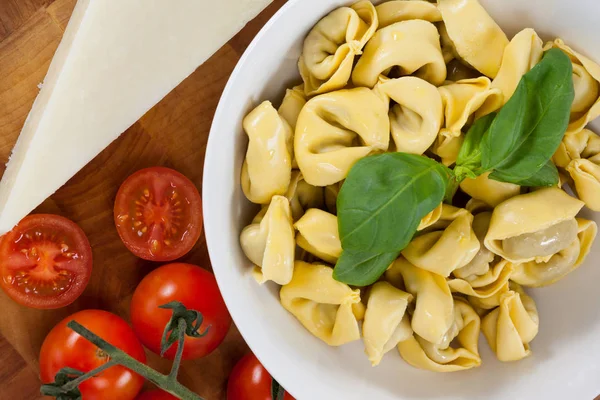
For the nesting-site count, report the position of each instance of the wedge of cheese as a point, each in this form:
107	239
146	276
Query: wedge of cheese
117	59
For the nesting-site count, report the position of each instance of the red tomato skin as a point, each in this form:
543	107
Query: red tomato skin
65	348
196	289
155	395
249	380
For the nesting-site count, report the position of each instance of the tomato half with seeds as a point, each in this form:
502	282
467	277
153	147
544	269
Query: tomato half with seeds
158	214
64	347
45	261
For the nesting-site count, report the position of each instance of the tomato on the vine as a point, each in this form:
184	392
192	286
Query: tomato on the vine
249	380
155	395
45	261
64	347
158	214
197	290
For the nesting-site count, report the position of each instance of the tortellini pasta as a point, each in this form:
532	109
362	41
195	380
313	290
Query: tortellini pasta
443	251
330	47
403	10
461	101
561	263
586	78
292	104
410	47
303	195
269	242
386	323
481	44
416	115
434	309
586	177
331	195
533	226
328	128
323	305
512	326
267	169
318	234
581	144
489	191
442	356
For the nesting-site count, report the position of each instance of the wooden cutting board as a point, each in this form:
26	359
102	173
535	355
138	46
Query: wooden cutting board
174	134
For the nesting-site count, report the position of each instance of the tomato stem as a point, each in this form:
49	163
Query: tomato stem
75	382
167	383
177	361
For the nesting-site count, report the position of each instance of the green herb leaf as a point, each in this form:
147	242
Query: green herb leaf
528	129
277	391
546	176
468	162
384	198
362	269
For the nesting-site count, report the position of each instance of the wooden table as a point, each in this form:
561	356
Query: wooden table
174	133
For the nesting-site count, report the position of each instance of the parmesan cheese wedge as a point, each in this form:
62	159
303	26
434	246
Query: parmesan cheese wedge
117	59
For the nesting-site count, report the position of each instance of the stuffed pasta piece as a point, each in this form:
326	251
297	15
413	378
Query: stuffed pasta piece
386	322
563	262
489	191
394	11
444	356
534	226
323	305
434	308
303	195
269	242
416	113
335	130
510	328
448	244
405	48
479	44
318	234
330	47
267	169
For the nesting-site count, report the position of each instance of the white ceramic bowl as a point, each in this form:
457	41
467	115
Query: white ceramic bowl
566	353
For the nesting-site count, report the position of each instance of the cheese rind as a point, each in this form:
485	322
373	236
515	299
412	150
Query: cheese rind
117	60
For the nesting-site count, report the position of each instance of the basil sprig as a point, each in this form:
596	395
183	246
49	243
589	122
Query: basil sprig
380	206
516	145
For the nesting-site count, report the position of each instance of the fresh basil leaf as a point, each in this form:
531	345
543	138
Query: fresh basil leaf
529	128
468	162
362	269
384	198
546	176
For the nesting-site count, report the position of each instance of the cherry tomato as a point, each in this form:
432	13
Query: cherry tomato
196	289
45	261
155	395
158	214
249	380
65	348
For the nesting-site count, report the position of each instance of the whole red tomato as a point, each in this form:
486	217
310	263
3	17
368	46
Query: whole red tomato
65	348
249	380
196	289
155	395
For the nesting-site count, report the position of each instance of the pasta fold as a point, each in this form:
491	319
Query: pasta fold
292	103
330	47
394	11
318	234
269	242
480	44
267	168
323	305
512	326
534	274
408	47
386	323
533	226
442	249
303	195
489	191
442	357
328	128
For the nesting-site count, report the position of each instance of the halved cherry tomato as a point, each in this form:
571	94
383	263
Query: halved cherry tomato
65	348
155	395
249	380
196	289
45	261
158	214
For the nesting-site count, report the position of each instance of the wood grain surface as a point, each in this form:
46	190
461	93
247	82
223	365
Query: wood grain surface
174	134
